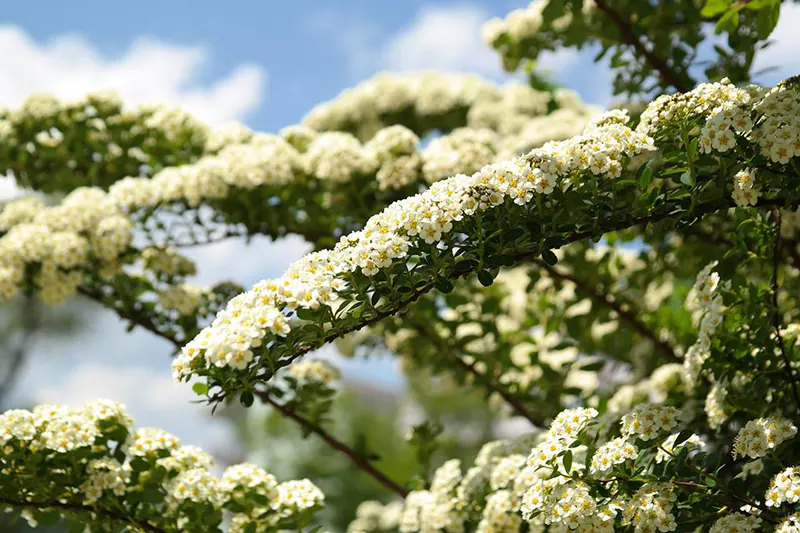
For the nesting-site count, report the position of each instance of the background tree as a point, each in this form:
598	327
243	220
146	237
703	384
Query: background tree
628	293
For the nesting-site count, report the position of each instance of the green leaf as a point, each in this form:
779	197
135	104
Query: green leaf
247	398
200	388
568	461
715	7
485	277
444	285
682	437
767	19
686	179
594	366
549	257
646	177
729	21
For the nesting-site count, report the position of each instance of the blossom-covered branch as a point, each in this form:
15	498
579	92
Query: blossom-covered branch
506	213
89	462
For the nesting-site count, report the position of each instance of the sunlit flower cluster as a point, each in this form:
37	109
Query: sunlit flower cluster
614	452
424	100
738	522
784	488
648	421
758	437
650	509
118	141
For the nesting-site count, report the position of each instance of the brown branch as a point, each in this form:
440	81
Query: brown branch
628	34
79	508
483	378
609	301
776	315
334	443
29	326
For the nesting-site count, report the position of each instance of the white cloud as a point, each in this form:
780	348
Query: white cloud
443	38
448	38
783	51
149	71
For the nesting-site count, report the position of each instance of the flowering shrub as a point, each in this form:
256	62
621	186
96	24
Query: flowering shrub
624	283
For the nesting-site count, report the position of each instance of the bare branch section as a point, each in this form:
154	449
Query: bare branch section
356	458
67	507
483	378
776	315
610	302
629	37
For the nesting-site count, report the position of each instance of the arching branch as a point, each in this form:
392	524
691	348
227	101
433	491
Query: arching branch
396	307
610	302
666	73
354	457
448	350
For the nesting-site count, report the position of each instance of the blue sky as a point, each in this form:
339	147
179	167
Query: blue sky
302	46
265	63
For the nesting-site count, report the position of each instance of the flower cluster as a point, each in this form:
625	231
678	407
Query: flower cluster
106	468
738	522
86	230
784	488
648	421
705	301
650	509
526	27
430	101
53	145
374	517
791	524
185	298
761	435
614	452
317	370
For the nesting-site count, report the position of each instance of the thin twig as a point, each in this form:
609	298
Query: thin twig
29	326
776	315
141	321
334	443
482	377
628	34
79	508
609	301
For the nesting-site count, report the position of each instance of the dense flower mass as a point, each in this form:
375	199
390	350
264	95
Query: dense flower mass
108	466
505	238
259	320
